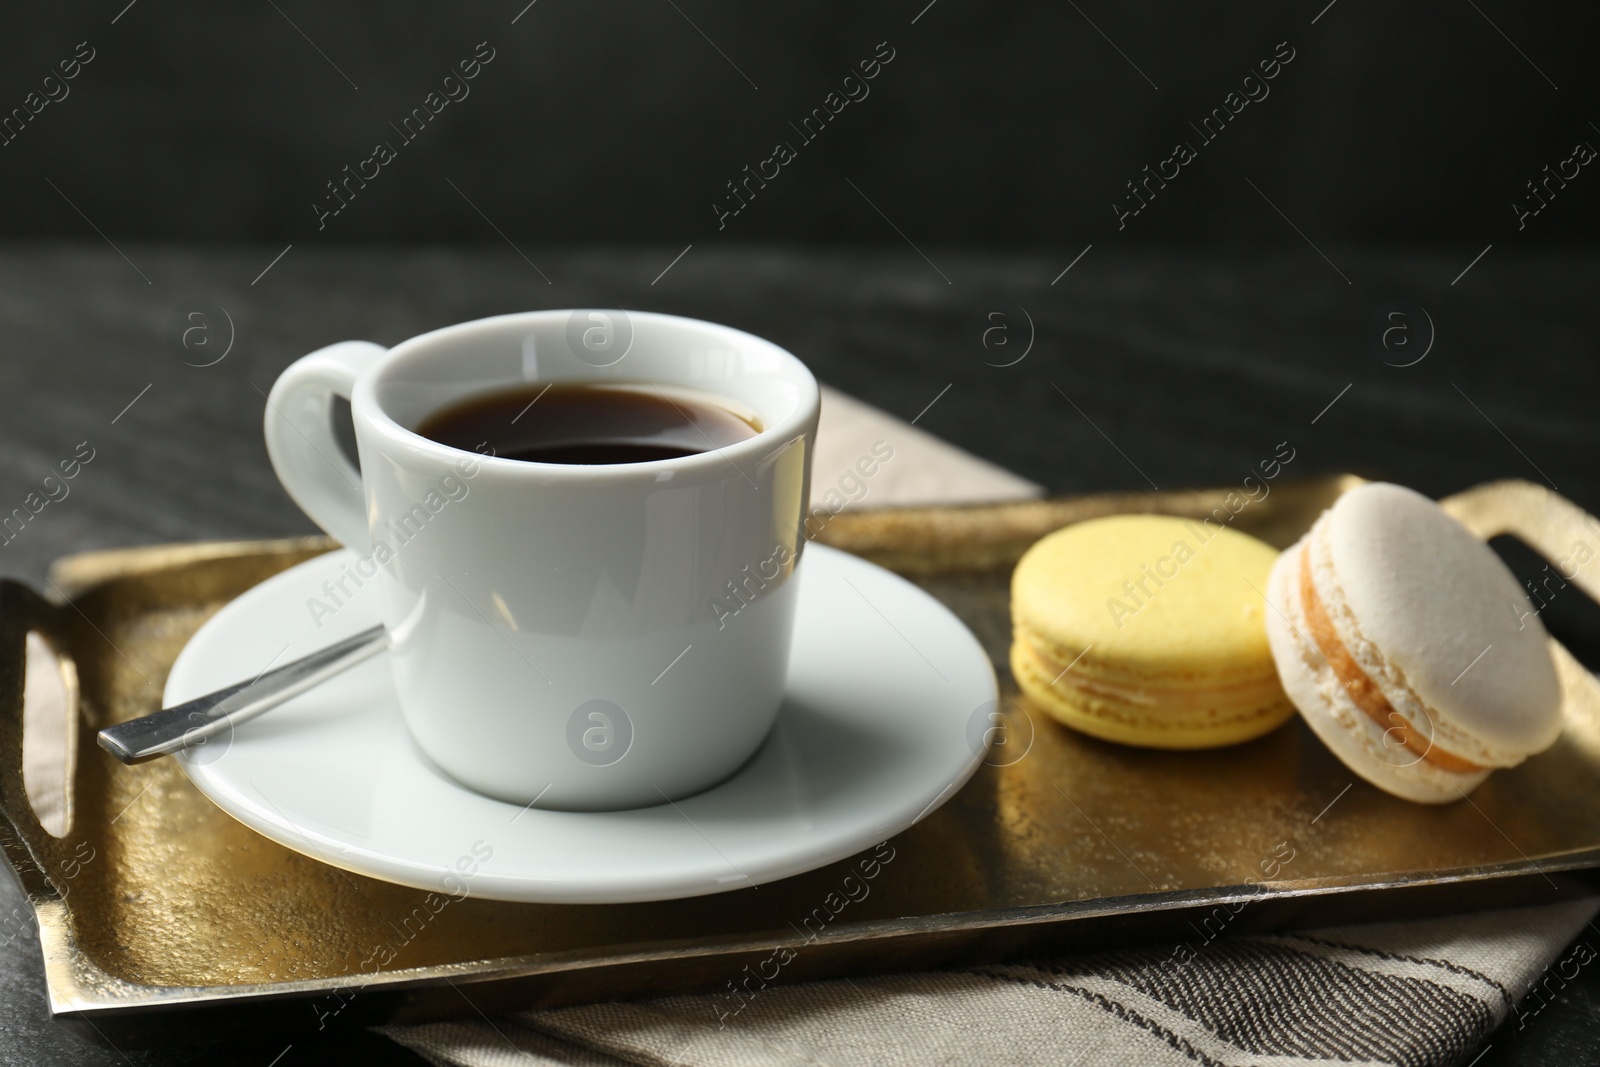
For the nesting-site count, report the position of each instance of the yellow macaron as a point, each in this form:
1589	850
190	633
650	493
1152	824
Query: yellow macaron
1148	630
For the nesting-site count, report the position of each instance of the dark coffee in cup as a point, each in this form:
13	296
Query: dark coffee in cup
590	423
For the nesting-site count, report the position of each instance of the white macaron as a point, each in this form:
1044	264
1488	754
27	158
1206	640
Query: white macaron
1409	647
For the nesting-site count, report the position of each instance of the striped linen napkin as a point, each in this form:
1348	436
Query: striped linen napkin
1414	993
1419	993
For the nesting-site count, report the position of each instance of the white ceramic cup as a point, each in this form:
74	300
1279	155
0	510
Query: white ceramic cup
585	637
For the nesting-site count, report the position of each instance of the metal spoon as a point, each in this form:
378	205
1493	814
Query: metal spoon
193	722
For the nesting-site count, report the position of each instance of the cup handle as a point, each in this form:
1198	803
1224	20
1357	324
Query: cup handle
306	456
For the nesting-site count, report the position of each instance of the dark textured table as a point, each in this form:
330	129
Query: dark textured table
1147	366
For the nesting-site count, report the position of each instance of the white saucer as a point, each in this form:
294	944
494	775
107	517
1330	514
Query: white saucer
884	713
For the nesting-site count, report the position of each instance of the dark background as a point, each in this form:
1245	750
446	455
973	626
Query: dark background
622	120
1233	313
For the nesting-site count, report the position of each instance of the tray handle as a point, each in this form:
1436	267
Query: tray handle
34	852
1544	520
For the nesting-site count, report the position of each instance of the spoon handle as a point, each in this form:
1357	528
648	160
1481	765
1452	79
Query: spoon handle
194	721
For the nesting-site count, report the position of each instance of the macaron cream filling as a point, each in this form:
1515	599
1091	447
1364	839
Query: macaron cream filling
1226	701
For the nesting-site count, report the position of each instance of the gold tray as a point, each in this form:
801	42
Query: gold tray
160	916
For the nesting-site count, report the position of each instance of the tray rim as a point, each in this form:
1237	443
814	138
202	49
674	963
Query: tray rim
75	997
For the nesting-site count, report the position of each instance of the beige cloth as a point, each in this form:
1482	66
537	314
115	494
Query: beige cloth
1414	993
924	470
1392	993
